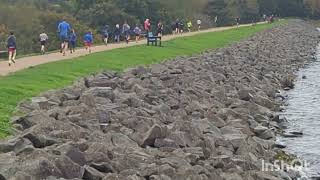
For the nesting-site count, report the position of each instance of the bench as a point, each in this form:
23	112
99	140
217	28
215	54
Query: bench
153	39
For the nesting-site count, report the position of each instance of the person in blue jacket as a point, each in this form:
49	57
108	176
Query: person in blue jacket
12	48
105	34
64	29
88	40
73	41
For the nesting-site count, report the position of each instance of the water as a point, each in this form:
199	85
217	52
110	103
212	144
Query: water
303	113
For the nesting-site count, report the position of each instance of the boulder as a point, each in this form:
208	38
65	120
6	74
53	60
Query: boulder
155	132
92	174
245	95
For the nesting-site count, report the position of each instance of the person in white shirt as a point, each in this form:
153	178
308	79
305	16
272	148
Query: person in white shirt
199	24
43	41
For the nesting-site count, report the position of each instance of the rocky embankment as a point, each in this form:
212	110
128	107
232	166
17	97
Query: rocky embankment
210	116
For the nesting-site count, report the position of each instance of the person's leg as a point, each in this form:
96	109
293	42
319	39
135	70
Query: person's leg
42	47
61	47
14	54
62	39
9	57
65	48
71	47
106	40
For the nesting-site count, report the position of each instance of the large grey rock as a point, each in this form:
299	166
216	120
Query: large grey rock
92	174
245	95
155	132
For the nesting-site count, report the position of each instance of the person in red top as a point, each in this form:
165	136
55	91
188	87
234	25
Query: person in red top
147	25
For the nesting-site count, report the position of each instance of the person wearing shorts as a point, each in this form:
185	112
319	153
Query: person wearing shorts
181	27
105	34
117	33
177	26
43	37
147	25
189	25
64	29
73	41
238	21
160	29
137	32
126	31
88	40
12	48
199	24
173	27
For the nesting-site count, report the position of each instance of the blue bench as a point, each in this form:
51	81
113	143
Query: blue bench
153	39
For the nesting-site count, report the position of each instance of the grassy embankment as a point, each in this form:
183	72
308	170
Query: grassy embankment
30	82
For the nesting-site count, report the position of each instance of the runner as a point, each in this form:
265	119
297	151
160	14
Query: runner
264	17
43	37
88	40
199	24
160	29
12	48
73	41
181	27
117	33
189	25
147	25
177	26
105	34
64	30
272	18
137	32
237	21
173	27
126	31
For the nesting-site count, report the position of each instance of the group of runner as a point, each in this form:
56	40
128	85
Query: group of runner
178	26
68	36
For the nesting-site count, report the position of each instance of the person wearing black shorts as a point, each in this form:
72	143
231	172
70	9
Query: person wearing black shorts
43	41
160	29
238	21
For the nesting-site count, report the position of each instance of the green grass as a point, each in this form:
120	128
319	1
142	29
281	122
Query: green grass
30	82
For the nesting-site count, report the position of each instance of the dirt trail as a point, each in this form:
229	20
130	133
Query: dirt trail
26	62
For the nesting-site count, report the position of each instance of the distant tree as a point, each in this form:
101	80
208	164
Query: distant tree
268	7
217	8
313	7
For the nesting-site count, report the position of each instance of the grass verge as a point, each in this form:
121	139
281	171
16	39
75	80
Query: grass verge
30	82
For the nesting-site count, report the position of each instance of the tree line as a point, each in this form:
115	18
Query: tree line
28	18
